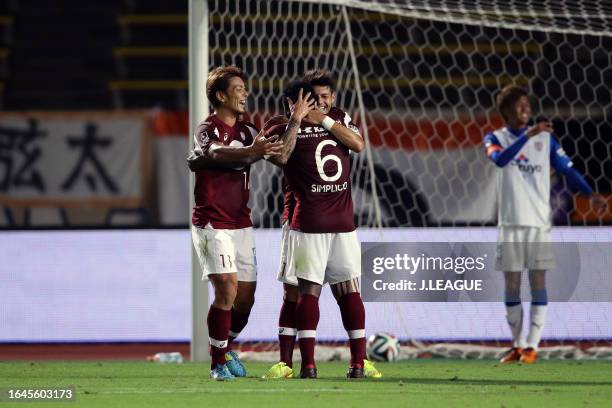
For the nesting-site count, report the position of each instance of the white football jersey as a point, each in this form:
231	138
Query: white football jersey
523	185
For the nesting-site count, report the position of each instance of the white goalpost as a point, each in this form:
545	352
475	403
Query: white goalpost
198	108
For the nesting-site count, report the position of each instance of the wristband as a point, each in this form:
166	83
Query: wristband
327	123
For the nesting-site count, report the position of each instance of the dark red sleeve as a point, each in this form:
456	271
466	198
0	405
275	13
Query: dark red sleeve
340	116
206	135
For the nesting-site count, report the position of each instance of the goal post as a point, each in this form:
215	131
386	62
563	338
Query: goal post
198	108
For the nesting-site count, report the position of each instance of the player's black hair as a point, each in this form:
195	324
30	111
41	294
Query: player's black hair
219	79
292	91
320	77
508	96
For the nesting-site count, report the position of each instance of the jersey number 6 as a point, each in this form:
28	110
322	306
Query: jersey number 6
321	161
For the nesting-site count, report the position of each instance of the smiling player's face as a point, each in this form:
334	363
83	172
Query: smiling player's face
520	113
326	98
235	97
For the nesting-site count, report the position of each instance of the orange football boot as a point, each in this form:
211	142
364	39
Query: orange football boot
529	356
512	356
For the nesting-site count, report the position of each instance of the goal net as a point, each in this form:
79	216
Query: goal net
420	79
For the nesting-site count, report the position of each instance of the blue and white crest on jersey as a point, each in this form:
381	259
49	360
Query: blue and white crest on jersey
522	162
522	158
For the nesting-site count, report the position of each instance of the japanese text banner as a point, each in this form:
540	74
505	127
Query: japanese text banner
48	158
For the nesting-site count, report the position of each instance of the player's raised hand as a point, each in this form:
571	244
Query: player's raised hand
302	106
542	126
266	147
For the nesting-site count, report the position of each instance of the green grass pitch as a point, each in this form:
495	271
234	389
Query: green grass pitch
420	383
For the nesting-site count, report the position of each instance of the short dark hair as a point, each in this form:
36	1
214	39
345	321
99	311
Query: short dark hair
508	96
320	77
292	91
218	81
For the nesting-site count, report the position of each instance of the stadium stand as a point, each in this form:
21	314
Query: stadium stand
69	55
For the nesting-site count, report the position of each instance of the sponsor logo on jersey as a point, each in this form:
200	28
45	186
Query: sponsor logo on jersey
328	188
522	162
311	129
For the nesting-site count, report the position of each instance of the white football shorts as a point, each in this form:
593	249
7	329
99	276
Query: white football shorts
226	251
283	271
323	258
520	248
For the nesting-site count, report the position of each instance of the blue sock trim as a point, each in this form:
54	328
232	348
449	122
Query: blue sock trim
539	297
512	298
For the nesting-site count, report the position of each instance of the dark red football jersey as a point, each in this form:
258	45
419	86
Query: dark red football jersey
275	126
221	196
288	201
318	172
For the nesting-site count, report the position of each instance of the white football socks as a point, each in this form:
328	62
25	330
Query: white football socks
514	316
536	325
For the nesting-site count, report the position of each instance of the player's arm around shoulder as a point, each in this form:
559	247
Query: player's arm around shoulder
347	132
210	153
245	155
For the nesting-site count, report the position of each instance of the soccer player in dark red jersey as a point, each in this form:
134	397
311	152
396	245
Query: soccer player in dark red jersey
222	232
322	244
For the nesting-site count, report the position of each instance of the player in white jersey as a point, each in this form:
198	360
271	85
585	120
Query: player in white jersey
524	156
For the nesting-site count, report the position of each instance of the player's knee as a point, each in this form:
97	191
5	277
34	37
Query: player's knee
244	303
512	281
309	288
291	293
225	292
225	298
245	298
513	286
537	279
344	288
